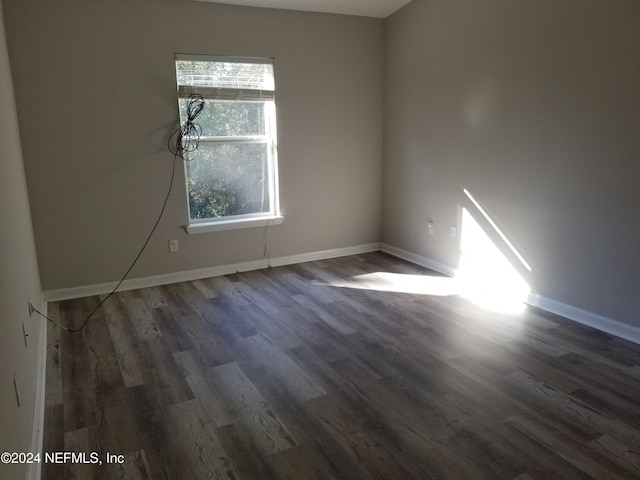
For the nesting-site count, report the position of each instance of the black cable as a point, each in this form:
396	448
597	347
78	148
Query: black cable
186	138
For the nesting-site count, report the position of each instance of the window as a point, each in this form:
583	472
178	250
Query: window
232	178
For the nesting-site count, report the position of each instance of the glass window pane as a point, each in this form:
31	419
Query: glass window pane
225	118
228	179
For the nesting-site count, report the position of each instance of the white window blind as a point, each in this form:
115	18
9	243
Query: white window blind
225	78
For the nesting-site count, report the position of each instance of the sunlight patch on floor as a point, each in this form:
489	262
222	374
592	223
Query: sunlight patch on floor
405	283
486	291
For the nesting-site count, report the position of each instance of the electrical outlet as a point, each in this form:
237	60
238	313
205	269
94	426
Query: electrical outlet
173	246
432	228
454	231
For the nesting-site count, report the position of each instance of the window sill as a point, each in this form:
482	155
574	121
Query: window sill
233	224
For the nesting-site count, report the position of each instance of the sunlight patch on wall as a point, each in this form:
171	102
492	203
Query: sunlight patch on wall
497	230
485	275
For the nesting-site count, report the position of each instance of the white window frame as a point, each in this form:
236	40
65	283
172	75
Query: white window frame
259	219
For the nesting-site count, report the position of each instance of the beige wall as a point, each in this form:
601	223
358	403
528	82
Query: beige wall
96	95
18	281
532	106
535	108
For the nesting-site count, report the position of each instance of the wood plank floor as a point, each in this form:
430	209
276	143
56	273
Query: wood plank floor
318	371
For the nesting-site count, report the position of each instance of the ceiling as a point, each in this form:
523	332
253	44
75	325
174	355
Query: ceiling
366	8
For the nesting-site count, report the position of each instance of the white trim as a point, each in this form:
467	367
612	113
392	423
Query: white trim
222	93
188	275
419	260
34	470
613	327
233	224
599	322
246	139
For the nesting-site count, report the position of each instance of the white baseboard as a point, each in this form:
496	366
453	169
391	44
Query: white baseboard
576	314
599	322
189	275
34	470
419	260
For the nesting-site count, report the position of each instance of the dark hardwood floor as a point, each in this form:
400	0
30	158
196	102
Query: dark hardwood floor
292	373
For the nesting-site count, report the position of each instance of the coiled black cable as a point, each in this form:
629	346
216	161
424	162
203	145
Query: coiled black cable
185	139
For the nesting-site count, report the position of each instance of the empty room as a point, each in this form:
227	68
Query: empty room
320	239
